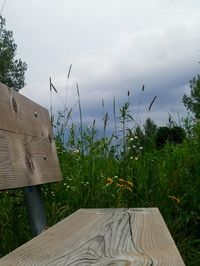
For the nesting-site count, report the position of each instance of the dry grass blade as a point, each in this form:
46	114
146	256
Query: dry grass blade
52	86
140	101
69	71
172	119
102	101
105	120
77	88
143	88
80	112
152	102
114	108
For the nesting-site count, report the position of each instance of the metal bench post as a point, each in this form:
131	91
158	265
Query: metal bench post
35	209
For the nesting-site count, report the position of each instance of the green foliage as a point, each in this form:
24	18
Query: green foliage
192	102
165	135
150	129
99	173
12	70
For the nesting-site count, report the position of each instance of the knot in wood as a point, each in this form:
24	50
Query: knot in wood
50	138
29	163
14	105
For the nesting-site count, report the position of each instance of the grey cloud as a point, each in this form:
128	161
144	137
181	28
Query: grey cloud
114	47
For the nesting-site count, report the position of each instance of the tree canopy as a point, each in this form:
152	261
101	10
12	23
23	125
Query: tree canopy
192	102
12	70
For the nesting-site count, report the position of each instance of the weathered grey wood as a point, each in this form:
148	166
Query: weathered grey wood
101	237
27	150
19	114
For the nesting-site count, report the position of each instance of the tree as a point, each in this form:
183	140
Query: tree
150	129
192	102
12	70
173	135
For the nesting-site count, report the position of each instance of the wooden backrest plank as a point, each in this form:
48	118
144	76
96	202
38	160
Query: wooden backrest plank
104	237
27	150
19	114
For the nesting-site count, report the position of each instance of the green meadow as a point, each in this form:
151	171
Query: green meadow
124	169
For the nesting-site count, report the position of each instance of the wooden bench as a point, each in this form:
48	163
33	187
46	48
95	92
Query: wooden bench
87	237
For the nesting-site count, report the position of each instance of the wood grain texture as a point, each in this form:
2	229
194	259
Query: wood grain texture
27	150
21	115
101	237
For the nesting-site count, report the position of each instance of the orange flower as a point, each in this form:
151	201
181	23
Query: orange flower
125	184
120	185
177	200
129	183
109	181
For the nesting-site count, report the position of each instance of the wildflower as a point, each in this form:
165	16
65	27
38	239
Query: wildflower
128	188
109	181
129	183
120	185
177	200
136	137
136	158
122	180
140	148
125	184
131	158
131	139
134	146
74	150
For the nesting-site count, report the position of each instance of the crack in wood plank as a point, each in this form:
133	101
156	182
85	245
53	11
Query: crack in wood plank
111	237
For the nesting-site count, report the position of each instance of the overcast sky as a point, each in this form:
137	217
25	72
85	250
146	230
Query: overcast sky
113	46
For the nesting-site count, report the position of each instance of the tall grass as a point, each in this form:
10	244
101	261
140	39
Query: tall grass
116	171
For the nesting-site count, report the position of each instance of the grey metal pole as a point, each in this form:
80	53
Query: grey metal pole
35	209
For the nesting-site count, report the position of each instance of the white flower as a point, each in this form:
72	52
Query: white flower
136	158
131	139
136	137
141	148
131	158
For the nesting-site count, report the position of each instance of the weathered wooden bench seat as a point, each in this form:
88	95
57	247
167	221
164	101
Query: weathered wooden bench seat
101	237
87	237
